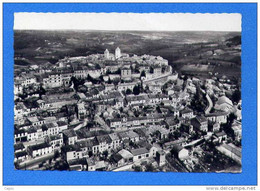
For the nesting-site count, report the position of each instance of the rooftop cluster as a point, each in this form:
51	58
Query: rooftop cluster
120	112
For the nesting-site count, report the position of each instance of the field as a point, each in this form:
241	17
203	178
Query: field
179	48
197	68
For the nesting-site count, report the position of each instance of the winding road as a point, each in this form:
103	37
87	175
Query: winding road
210	104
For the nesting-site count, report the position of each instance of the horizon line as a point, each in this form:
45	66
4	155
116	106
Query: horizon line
104	30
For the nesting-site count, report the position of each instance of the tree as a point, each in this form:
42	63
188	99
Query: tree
16	164
118	71
44	114
23	96
170	136
77	82
185	77
116	81
197	168
40	165
136	90
176	134
137	168
108	72
143	74
146	89
141	88
101	79
149	168
227	127
236	96
151	69
132	144
208	157
93	80
158	109
105	154
199	101
42	91
90	153
128	92
56	154
109	81
136	70
136	113
31	102
61	165
97	66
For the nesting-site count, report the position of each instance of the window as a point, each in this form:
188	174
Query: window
139	157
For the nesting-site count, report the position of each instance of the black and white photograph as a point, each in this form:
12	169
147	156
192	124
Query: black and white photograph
140	92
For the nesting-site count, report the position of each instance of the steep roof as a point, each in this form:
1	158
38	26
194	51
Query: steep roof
144	143
55	137
122	135
200	119
18	146
19	131
232	148
139	151
20	154
171	121
85	143
114	136
141	132
69	133
223	100
186	110
176	142
39	146
177	148
82	161
32	130
104	139
132	134
125	154
33	119
220	134
61	123
116	157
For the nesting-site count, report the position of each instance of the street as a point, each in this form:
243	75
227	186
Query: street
35	161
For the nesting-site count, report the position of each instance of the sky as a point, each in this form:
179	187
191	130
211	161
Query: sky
128	21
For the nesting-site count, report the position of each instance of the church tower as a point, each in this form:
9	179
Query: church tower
117	53
106	54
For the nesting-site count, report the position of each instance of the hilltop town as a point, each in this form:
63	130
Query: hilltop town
116	112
